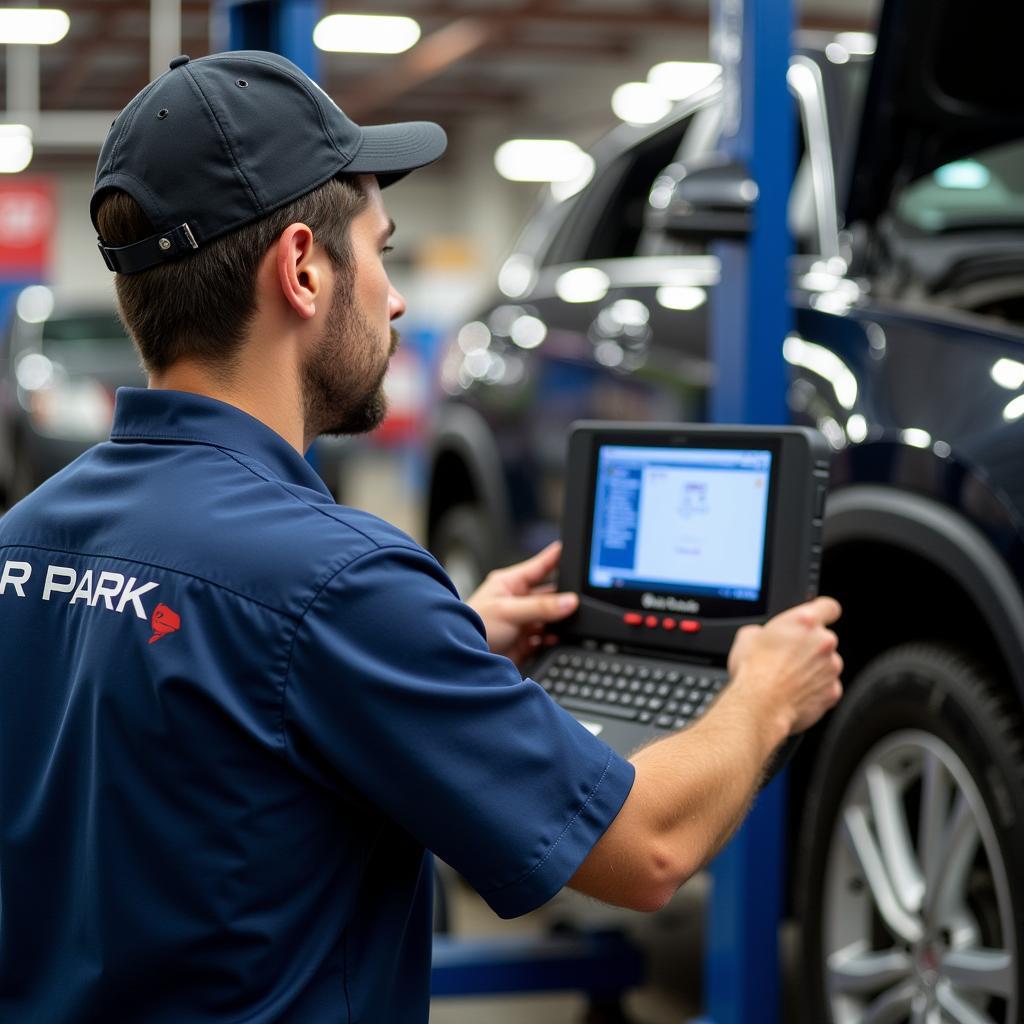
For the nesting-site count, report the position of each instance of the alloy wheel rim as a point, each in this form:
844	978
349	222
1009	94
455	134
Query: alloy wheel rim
917	916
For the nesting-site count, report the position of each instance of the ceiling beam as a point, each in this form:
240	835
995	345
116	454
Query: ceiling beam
622	19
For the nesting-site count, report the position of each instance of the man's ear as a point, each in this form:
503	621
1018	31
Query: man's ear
299	270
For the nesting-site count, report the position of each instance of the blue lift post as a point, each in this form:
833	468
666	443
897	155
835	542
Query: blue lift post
280	26
750	318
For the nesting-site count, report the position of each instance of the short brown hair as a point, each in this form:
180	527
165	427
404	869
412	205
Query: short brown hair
201	305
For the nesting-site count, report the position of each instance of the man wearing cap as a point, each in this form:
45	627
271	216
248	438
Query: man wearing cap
234	716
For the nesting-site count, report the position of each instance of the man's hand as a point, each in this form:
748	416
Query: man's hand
790	664
518	602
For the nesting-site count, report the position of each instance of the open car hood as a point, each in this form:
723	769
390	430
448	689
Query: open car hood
947	80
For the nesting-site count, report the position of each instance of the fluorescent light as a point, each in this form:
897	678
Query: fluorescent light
15	148
584	284
34	26
677	79
639	103
542	160
366	33
1008	373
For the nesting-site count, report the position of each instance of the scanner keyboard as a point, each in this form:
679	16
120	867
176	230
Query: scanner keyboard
649	691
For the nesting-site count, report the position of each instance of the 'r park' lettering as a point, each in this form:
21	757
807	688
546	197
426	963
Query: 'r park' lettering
89	588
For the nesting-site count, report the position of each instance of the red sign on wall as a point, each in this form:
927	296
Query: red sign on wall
28	215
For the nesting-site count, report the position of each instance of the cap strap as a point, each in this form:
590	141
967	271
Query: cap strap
166	245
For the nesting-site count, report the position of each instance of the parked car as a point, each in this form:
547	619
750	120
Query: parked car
908	353
60	363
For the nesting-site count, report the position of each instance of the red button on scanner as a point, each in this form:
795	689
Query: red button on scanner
668	623
689	626
633	619
651	621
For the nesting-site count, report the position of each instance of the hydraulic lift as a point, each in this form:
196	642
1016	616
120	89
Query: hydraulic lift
750	318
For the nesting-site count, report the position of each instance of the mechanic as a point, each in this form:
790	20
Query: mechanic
234	716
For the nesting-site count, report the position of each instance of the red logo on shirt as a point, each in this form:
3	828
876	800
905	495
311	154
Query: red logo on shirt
164	621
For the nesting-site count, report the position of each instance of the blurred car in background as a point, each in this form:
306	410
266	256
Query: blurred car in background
60	364
61	361
907	352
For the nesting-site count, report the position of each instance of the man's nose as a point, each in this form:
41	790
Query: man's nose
396	304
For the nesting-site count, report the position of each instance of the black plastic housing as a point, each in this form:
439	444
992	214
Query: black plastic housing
798	486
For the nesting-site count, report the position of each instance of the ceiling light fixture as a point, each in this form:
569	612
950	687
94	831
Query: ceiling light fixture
366	33
35	26
542	160
639	103
677	79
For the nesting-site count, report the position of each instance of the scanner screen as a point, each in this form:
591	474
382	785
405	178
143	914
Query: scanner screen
681	520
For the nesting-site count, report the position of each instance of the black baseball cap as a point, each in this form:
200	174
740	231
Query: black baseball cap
221	141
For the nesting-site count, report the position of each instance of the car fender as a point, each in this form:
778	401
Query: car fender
942	536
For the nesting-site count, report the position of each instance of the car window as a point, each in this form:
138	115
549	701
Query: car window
983	190
608	220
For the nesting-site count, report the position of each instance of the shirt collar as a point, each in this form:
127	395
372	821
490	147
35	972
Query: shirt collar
156	414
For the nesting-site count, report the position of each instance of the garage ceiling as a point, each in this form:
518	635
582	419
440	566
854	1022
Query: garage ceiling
490	59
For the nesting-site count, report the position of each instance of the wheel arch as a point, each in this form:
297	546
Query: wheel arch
940	542
465	467
906	567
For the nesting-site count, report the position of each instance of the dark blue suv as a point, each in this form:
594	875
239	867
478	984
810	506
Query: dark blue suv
907	285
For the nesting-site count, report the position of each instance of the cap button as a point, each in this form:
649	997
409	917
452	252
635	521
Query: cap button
178	61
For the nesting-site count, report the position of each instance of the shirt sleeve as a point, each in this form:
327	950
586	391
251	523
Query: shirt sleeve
393	692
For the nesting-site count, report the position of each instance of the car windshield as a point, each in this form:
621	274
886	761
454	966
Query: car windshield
983	190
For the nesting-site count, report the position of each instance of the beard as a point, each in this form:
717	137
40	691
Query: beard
343	379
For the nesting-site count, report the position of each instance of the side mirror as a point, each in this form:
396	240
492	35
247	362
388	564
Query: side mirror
713	200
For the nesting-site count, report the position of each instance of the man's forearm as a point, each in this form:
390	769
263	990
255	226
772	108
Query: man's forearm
691	791
699	783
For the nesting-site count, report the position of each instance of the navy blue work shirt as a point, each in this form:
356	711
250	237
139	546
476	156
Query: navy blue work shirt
233	717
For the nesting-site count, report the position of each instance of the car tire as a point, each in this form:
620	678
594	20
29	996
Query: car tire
463	544
909	888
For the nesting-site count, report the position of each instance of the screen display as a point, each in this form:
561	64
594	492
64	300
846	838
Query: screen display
681	520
